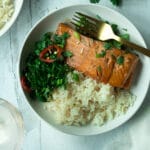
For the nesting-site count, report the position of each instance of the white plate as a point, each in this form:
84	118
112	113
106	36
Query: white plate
18	5
49	23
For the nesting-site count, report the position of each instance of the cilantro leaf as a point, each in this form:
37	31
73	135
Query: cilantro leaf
108	45
101	54
125	36
75	76
115	28
42	77
120	60
117	44
94	1
67	54
115	2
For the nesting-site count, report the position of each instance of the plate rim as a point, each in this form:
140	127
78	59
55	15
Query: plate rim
19	60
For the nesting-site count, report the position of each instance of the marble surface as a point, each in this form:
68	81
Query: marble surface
133	135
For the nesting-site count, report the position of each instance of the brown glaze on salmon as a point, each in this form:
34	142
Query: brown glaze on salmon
104	69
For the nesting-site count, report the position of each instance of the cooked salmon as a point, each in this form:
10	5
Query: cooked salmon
104	68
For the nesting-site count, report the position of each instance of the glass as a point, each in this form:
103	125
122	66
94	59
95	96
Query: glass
11	127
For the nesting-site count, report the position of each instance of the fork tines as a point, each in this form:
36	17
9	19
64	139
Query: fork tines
85	24
88	17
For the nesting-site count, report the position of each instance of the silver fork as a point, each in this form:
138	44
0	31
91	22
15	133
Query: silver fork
102	31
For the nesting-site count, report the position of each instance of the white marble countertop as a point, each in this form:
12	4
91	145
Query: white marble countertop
133	135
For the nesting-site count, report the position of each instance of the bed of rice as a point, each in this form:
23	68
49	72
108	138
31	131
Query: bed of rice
87	101
6	11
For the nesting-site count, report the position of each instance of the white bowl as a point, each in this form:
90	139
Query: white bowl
49	23
18	5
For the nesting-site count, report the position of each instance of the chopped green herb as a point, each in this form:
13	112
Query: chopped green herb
115	2
99	69
120	60
67	54
45	41
125	36
115	28
75	76
117	44
53	56
82	22
108	45
42	77
101	54
94	1
77	35
98	17
59	81
60	40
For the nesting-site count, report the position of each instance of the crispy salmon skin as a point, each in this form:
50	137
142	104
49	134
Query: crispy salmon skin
104	68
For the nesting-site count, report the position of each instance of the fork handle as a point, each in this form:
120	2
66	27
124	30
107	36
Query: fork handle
133	46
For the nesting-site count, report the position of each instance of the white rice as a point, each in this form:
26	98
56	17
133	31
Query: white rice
6	11
87	101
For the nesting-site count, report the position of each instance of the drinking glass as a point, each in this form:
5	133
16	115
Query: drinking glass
11	127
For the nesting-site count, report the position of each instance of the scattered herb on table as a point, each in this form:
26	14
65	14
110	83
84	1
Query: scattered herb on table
114	2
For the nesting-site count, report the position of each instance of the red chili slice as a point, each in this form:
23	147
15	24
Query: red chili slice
24	84
48	49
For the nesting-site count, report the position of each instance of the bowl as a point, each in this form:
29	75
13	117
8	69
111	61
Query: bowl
49	23
18	5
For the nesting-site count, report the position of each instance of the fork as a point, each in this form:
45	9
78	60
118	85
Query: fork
102	31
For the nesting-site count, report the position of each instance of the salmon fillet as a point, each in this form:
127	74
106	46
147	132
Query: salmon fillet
104	69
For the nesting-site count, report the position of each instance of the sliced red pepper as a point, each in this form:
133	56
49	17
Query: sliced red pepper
24	84
48	49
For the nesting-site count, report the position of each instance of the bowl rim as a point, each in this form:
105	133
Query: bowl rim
13	18
19	59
